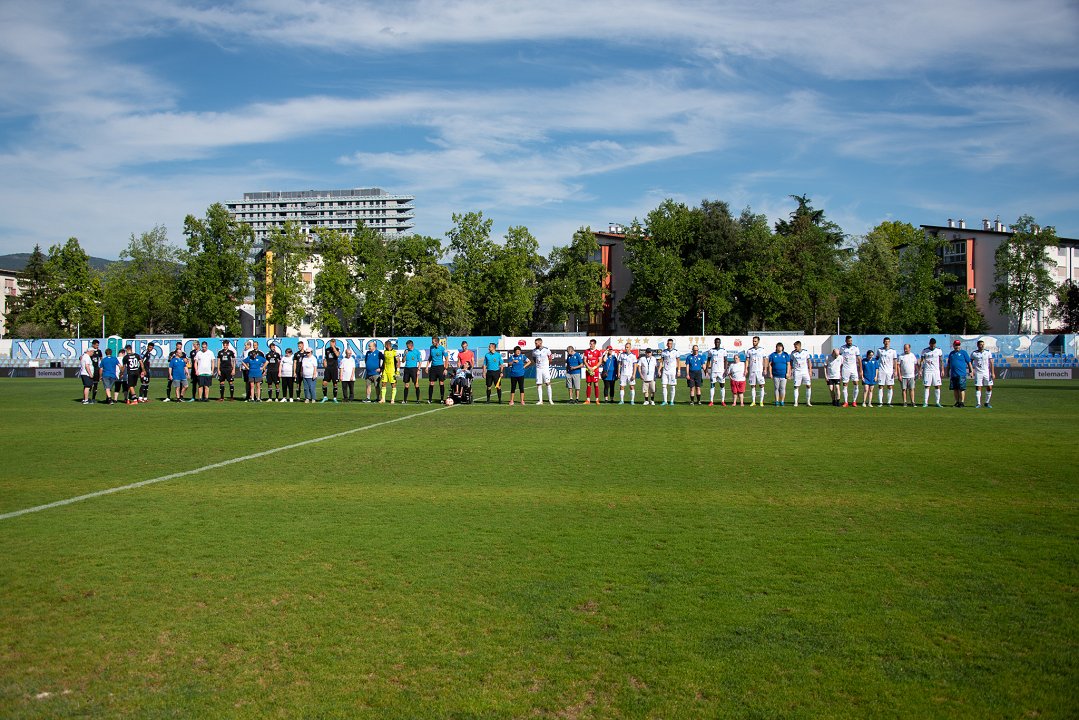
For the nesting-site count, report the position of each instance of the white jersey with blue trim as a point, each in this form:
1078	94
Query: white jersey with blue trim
850	354
800	359
755	359
887	357
717	359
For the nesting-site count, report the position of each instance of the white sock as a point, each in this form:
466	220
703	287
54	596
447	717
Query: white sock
673	388
539	392
978	395
796	394
988	394
891	392
723	393
845	394
622	393
809	392
926	395
664	393
880	395
712	393
550	395
633	394
936	394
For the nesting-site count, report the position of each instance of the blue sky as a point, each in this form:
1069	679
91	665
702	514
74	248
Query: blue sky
118	116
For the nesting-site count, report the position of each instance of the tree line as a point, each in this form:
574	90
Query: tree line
692	267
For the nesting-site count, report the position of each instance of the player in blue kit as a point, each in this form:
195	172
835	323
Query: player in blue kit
254	364
869	376
436	370
779	367
411	371
372	366
695	363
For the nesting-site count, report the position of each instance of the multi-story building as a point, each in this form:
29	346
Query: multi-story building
970	256
9	289
313	209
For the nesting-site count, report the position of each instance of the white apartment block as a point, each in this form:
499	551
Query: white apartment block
9	290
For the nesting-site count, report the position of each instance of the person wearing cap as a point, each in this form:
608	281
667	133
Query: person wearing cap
132	374
273	372
647	366
984	374
389	371
226	371
288	376
204	368
870	366
930	362
959	369
574	365
144	378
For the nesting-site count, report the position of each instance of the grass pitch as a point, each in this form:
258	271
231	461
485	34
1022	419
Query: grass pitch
561	561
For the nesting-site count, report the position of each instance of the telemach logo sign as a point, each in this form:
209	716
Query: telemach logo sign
1052	373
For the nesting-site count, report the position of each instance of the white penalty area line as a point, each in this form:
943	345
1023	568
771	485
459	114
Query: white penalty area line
214	466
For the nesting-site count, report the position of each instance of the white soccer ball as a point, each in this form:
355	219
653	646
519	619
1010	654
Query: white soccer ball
449	401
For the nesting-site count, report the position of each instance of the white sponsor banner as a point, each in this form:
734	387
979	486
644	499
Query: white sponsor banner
1052	373
54	373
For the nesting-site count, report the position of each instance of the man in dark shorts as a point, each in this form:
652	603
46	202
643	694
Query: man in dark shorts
492	365
177	352
194	378
144	380
695	363
273	372
436	370
133	373
411	370
330	371
95	360
226	371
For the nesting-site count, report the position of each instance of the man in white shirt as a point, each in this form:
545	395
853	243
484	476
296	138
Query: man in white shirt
886	373
86	374
851	370
833	371
932	358
908	374
755	357
346	371
717	373
646	368
204	369
669	364
627	375
541	357
984	374
803	374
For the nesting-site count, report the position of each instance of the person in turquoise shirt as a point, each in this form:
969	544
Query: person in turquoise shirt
492	376
411	371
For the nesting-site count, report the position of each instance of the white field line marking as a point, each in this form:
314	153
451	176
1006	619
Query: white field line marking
214	466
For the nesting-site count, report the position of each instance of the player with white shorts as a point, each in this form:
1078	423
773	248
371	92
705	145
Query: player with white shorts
851	370
803	375
984	371
627	375
717	373
755	357
541	356
932	358
669	363
886	374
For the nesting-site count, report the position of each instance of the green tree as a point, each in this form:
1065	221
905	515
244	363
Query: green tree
33	289
372	278
140	292
1066	309
432	304
408	255
72	299
473	251
811	244
334	298
216	275
287	253
959	313
656	300
760	298
921	285
870	285
1023	276
573	284
513	284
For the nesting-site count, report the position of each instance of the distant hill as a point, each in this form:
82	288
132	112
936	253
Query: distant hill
17	261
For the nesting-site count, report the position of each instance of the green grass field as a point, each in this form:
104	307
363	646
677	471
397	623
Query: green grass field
564	562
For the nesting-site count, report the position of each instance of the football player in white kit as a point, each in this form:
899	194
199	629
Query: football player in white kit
886	374
717	373
930	366
669	375
755	357
908	374
627	375
984	374
541	356
803	375
851	370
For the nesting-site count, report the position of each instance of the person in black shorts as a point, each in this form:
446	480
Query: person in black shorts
226	370
273	372
133	371
194	379
95	358
178	351
144	379
329	368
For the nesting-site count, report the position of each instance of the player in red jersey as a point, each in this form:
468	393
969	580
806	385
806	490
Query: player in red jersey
592	358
